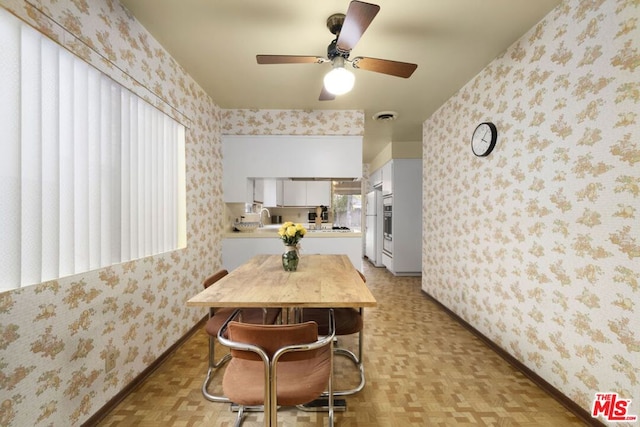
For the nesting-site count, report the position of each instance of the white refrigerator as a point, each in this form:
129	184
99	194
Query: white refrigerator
373	230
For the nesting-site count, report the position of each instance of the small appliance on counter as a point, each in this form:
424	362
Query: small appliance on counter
324	214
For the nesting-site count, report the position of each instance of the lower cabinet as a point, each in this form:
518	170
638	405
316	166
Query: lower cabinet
387	261
238	250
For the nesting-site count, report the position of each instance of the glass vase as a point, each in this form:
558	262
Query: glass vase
290	258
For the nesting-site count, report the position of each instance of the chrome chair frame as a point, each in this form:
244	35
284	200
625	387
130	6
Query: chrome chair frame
356	359
270	369
213	364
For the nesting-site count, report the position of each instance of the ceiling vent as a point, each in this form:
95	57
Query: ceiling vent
385	116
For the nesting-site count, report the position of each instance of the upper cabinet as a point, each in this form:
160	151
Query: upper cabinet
306	193
375	180
258	191
387	178
271	192
318	193
267	191
294	193
247	157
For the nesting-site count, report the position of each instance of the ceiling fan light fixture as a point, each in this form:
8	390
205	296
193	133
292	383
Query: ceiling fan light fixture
339	80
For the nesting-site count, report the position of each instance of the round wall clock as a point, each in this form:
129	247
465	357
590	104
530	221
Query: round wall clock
484	139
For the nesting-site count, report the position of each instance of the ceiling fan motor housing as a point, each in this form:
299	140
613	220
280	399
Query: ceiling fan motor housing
334	24
333	51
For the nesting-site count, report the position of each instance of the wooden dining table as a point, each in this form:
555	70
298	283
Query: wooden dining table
320	281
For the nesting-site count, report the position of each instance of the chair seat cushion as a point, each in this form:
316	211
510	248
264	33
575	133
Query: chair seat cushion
248	315
298	381
348	320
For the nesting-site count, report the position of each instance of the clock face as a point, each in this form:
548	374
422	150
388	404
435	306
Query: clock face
484	139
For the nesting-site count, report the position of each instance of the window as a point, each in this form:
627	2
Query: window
346	204
90	174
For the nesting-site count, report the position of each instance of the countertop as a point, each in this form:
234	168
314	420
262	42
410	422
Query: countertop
271	231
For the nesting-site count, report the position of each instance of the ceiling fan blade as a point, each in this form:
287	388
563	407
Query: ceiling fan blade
289	59
385	66
325	95
359	16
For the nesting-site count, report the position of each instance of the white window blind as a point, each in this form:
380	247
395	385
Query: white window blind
90	174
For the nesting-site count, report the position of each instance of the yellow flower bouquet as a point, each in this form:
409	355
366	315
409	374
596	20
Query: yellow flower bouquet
291	234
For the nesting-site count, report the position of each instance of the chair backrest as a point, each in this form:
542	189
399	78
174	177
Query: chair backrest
271	338
214	278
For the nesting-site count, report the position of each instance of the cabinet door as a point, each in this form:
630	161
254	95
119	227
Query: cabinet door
387	178
294	193
258	190
279	192
270	192
376	178
318	193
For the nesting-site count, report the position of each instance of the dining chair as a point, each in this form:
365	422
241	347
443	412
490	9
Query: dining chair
273	365
348	321
217	317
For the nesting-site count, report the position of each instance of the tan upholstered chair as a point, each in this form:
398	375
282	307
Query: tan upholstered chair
217	317
348	321
273	365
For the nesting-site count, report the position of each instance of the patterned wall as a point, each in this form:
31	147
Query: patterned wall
538	245
292	122
54	337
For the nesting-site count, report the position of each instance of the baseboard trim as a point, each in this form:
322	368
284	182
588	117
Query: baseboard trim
572	406
111	404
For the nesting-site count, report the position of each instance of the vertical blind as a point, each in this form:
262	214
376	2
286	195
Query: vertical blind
90	174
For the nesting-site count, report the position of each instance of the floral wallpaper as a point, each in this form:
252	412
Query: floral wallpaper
538	245
293	122
56	337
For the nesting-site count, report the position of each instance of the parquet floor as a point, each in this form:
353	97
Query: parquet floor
422	369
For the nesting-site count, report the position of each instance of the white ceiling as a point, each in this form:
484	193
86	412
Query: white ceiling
216	41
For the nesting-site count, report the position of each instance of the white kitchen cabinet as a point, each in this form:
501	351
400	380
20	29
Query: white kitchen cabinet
258	191
387	178
252	156
306	193
265	191
375	179
318	193
294	193
387	261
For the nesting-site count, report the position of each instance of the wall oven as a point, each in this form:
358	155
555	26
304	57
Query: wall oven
387	225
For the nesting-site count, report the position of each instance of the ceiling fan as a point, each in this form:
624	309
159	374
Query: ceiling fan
348	30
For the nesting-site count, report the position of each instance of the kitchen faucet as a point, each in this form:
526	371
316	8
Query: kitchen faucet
268	215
